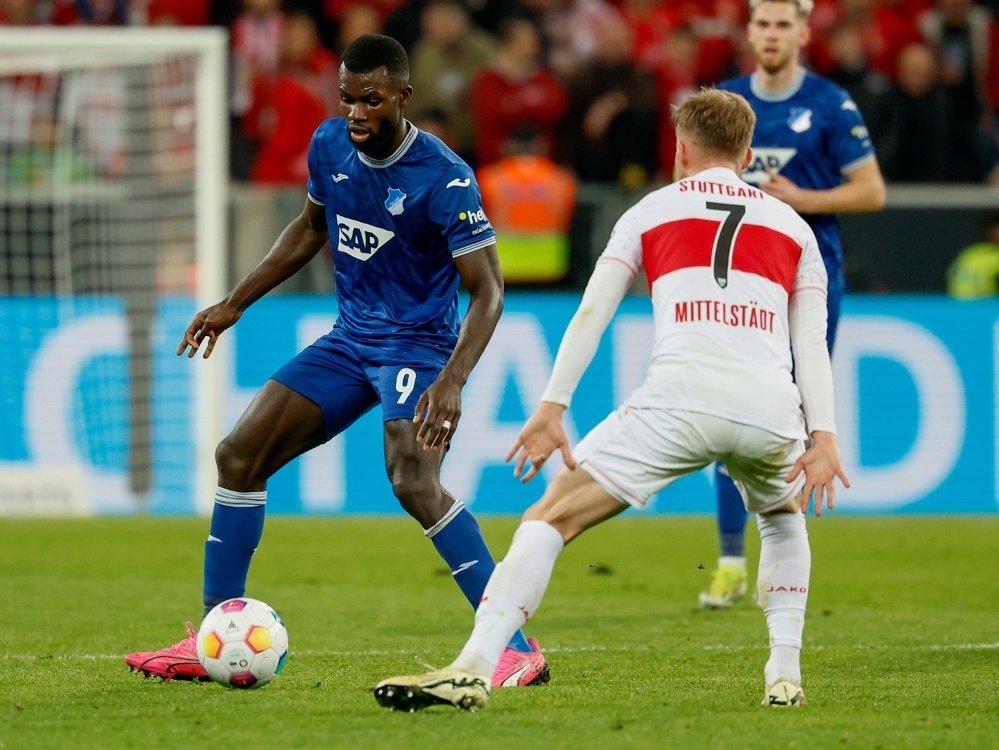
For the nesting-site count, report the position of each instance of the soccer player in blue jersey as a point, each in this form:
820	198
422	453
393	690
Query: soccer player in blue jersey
810	149
404	217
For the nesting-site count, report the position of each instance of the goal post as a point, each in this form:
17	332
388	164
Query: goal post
113	232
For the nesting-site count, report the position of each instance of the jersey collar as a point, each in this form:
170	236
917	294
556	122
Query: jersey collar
397	154
780	96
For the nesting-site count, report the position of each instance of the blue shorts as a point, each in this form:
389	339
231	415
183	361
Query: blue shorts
346	378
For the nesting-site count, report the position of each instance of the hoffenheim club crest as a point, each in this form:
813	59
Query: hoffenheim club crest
800	119
394	201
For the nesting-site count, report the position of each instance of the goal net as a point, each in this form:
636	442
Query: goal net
113	172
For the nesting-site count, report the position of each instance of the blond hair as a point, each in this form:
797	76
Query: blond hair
719	122
804	6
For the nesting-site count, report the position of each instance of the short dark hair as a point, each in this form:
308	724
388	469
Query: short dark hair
371	51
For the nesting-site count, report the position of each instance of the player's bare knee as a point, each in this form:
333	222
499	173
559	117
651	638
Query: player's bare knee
237	470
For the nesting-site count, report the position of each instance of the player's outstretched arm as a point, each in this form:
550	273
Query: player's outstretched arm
439	407
296	246
821	464
543	433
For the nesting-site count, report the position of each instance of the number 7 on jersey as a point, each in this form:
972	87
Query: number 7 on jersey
722	255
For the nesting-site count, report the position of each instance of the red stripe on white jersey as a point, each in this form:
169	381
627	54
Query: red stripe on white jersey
767	253
677	244
690	243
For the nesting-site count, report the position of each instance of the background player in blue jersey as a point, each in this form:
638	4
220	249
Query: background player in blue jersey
810	149
404	217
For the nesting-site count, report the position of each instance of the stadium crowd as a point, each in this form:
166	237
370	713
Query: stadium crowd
592	80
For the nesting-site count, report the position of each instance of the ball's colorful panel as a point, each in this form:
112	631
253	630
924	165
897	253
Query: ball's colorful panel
234	605
212	645
242	680
258	638
280	664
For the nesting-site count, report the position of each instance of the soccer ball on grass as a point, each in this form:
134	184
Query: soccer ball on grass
242	643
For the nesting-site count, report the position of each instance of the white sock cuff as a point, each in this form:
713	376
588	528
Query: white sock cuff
240	499
786	641
781	524
454	510
542	534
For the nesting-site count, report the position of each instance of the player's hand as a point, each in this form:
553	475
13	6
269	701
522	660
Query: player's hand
437	412
821	464
542	434
782	188
208	324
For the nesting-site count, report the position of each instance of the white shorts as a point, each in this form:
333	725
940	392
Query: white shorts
636	452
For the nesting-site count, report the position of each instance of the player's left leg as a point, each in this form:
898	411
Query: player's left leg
729	580
759	468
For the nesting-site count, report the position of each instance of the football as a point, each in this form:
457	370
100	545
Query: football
242	643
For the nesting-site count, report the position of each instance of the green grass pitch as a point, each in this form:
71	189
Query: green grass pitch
901	640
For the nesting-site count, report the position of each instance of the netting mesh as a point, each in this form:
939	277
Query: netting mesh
97	268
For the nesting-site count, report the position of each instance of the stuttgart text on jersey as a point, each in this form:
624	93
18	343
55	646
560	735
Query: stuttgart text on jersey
717	188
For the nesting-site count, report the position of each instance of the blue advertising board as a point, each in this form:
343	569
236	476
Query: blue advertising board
916	383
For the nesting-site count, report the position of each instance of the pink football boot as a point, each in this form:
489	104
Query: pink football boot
177	662
517	669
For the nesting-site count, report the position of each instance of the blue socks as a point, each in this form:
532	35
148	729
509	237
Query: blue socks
459	541
731	515
237	523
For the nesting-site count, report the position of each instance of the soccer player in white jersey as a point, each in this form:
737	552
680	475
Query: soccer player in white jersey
736	279
811	149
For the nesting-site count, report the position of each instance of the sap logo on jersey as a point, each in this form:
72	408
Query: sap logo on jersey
773	159
360	240
473	216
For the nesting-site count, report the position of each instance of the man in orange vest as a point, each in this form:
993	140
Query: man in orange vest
530	201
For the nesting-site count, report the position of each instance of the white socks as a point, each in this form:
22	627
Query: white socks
512	595
785	565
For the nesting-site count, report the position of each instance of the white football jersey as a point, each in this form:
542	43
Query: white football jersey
722	259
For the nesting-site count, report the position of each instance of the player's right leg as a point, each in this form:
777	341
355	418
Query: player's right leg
315	396
572	503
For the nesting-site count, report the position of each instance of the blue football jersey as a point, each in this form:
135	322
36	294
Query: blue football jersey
812	134
396	225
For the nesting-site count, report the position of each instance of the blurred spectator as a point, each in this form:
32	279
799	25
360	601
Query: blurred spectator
178	12
869	89
445	61
255	39
357	20
974	273
678	75
530	201
404	25
92	12
46	161
719	26
924	121
338	10
24	13
516	89
573	29
289	105
612	126
434	121
884	30
968	40
650	22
